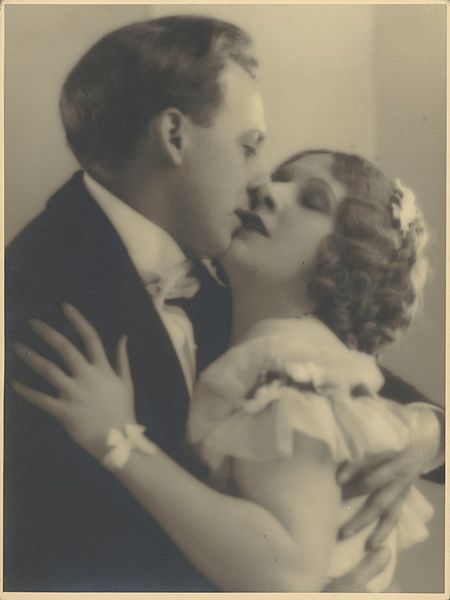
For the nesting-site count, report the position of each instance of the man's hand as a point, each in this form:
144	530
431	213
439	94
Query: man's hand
387	478
358	579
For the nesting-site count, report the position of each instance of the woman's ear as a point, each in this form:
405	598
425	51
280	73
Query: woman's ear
171	127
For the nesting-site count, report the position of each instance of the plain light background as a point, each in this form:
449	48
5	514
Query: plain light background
361	78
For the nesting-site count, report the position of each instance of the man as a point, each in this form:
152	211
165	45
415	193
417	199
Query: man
166	121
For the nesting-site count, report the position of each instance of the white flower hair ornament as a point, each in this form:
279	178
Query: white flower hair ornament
404	208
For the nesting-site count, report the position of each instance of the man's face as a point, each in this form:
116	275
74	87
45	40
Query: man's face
222	163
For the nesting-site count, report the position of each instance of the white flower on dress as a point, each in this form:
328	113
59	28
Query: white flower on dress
306	373
264	395
406	210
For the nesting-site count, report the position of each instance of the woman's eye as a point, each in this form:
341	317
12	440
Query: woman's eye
280	176
316	200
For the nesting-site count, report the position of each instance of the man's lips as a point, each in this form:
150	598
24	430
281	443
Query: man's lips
252	221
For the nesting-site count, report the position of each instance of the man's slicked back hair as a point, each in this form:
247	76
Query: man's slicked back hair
134	73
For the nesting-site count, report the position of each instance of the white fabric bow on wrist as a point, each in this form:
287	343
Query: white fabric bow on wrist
122	445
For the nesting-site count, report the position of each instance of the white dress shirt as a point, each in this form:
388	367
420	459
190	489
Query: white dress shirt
153	253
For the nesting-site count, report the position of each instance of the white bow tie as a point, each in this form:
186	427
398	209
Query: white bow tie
175	283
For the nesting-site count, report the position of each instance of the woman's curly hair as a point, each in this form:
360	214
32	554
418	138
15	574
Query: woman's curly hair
369	274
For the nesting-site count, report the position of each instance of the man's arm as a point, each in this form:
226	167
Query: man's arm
395	388
387	478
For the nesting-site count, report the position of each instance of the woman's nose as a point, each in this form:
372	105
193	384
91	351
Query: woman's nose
263	197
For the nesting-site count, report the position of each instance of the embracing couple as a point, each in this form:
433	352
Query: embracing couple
192	398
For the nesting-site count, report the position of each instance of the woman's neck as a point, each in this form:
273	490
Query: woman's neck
253	303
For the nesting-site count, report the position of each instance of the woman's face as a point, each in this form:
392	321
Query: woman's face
294	213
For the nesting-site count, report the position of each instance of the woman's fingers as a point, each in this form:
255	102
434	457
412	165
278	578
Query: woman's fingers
88	334
68	352
123	362
43	401
43	367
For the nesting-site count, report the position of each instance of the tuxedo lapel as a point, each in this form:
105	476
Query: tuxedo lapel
161	396
109	291
69	525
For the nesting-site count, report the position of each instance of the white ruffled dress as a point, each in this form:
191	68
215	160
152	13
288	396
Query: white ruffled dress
296	376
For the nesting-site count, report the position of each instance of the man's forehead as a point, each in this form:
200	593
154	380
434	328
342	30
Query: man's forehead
240	90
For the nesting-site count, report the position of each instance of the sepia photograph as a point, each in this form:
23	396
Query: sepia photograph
224	298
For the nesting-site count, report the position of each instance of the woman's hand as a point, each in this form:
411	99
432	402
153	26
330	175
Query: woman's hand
95	397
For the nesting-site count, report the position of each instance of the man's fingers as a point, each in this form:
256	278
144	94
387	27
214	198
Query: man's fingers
88	334
358	579
372	565
376	505
391	470
382	475
68	352
349	471
43	401
43	367
387	523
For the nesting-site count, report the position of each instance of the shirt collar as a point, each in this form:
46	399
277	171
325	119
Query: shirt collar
152	250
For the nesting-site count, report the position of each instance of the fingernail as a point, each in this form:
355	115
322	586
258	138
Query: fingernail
18	348
33	323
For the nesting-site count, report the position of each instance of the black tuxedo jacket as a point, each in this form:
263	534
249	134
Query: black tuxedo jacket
69	525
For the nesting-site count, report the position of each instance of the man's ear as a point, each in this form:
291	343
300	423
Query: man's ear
172	134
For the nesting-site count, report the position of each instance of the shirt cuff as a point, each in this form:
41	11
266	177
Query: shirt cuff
427	427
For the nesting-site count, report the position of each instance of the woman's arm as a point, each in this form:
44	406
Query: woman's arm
277	538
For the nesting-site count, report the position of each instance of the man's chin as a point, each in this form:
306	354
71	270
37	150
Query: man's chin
212	253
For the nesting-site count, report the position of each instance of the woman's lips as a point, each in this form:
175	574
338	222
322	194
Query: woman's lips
252	221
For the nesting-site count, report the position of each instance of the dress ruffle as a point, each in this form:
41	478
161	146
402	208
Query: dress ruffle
310	383
225	422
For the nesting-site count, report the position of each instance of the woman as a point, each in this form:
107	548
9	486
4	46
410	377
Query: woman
327	272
